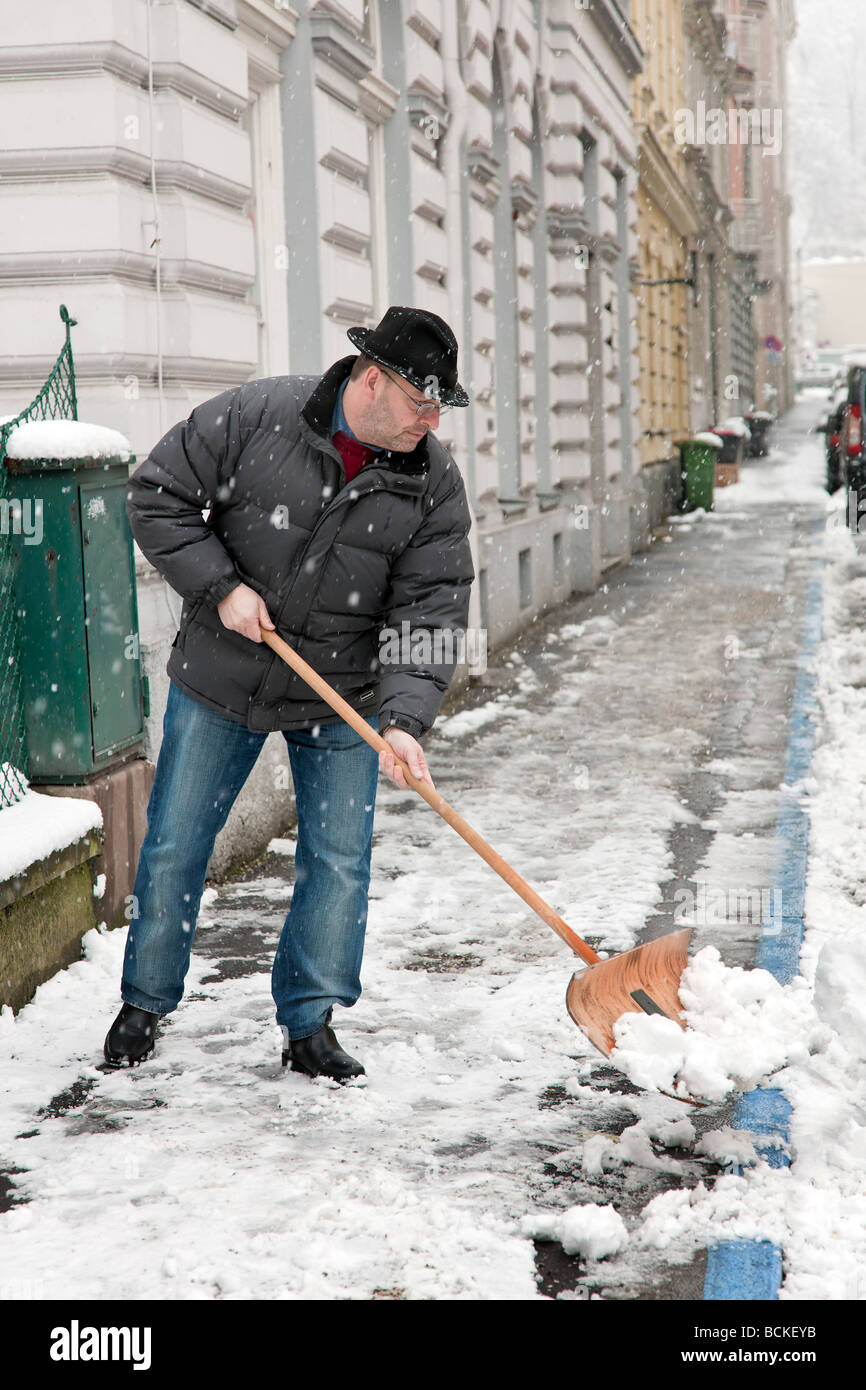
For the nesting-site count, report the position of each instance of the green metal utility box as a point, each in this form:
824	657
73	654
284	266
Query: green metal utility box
74	589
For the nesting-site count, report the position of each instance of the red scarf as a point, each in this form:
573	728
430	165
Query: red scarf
353	453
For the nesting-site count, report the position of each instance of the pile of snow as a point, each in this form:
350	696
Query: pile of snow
38	825
735	1147
840	990
706	437
66	439
751	1207
587	1230
743	1026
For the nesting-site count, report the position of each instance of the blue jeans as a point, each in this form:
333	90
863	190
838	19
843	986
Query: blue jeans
204	761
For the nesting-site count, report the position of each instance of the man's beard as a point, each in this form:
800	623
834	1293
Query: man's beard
379	430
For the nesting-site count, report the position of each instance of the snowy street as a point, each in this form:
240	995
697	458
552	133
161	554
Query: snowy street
627	757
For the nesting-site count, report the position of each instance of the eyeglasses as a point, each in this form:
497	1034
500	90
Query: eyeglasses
422	408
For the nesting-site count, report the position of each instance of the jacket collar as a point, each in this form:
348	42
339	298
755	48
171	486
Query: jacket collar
319	409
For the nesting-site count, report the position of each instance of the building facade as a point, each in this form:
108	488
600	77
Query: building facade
667	229
714	378
759	33
218	189
832	304
715	316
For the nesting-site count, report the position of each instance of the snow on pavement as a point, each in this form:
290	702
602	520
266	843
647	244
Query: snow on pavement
212	1173
811	1033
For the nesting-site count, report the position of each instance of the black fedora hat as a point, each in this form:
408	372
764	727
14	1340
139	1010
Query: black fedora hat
417	345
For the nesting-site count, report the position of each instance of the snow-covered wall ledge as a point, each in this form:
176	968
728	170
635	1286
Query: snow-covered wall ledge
50	850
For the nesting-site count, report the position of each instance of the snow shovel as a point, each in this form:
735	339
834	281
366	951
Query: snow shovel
644	980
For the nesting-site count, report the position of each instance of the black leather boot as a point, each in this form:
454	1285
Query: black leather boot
131	1037
320	1055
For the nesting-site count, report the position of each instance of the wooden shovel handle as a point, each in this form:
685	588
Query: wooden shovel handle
439	804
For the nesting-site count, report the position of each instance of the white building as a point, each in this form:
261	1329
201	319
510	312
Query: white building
218	189
836	290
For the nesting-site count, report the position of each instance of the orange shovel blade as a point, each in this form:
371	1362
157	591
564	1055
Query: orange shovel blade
645	980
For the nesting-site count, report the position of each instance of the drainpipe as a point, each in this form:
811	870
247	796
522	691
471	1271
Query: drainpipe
457	105
156	242
172	600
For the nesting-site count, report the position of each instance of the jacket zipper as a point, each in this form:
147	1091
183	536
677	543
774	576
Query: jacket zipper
377	485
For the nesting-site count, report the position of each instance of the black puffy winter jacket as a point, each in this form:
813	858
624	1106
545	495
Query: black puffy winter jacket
334	563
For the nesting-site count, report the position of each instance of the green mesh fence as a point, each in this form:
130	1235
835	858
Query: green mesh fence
56	401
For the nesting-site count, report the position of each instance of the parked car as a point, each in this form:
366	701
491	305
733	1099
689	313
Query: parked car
820	368
831	428
852	447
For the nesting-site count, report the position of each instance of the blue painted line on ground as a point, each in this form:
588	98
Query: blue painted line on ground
751	1270
743	1269
765	1113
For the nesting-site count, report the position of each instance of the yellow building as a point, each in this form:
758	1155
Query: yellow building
666	219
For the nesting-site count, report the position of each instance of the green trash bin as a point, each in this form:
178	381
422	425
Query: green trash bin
76	611
698	457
